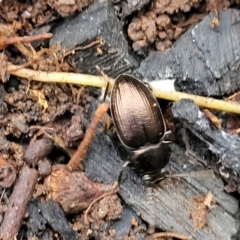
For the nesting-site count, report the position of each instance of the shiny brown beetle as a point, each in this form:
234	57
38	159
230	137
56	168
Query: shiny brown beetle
141	128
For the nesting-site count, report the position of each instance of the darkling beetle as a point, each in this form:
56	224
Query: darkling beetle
141	128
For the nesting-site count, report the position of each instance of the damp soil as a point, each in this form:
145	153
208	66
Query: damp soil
42	124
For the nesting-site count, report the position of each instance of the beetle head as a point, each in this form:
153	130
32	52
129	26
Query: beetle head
149	161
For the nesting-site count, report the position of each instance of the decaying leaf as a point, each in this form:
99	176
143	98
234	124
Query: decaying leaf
73	190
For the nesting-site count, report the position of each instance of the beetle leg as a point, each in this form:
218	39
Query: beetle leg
106	92
121	172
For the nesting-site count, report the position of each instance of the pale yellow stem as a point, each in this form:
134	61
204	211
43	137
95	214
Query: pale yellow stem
206	102
59	77
99	81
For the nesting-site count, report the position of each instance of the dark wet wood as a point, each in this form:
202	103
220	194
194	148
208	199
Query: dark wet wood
55	217
111	53
167	207
224	145
203	61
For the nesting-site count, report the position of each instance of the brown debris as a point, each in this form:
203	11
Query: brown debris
73	190
208	200
7	173
20	12
109	208
233	124
3	67
8	37
37	150
215	22
165	21
11	152
232	187
212	118
171	6
18	203
44	167
65	8
40	99
156	25
235	97
44	59
102	213
199	214
14	124
67	132
152	27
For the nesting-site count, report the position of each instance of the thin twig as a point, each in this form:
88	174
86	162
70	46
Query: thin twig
72	51
18	202
5	41
113	191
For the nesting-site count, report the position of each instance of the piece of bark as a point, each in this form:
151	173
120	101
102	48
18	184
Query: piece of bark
97	22
18	203
7	173
226	146
36	222
37	150
73	190
55	217
167	207
204	60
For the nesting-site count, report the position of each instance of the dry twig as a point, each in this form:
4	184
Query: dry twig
18	203
78	156
113	191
